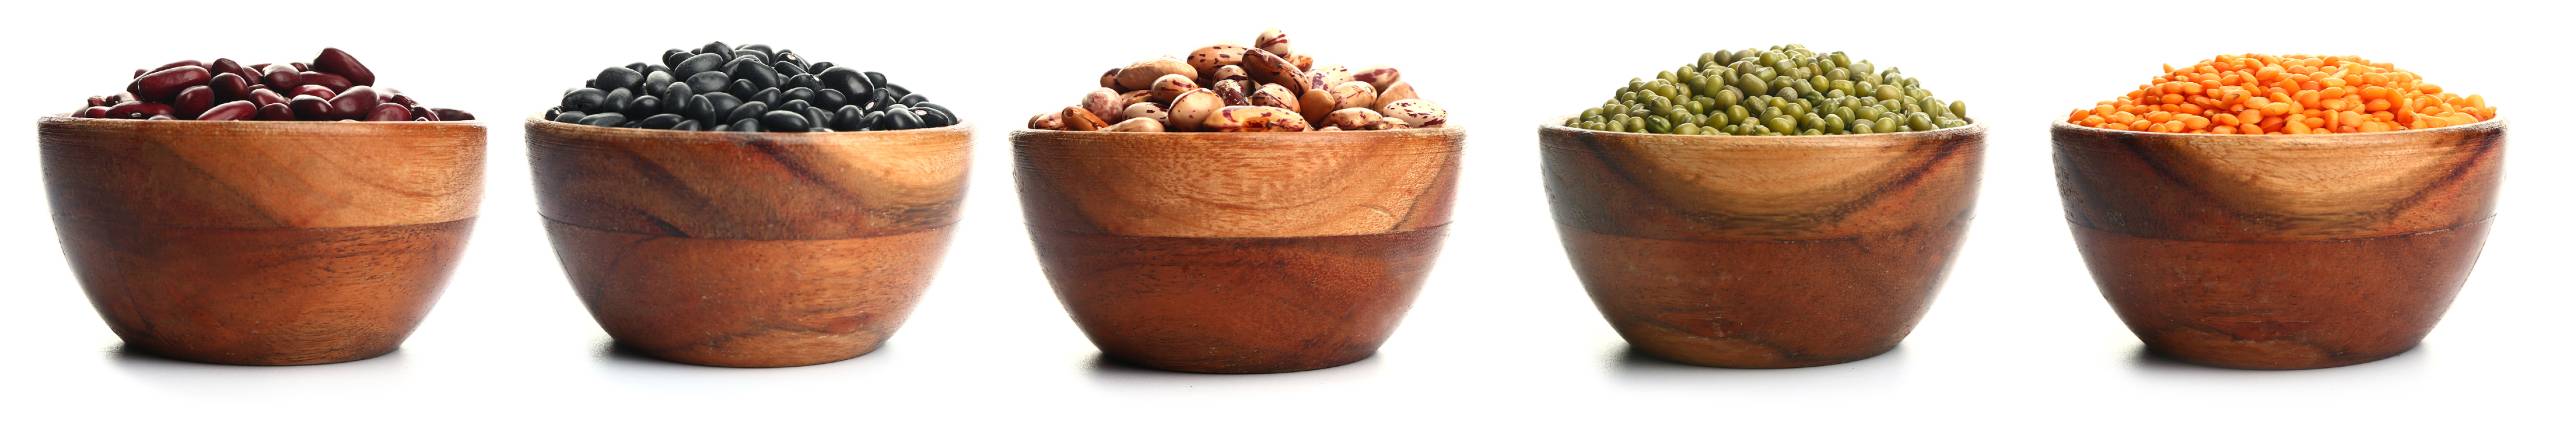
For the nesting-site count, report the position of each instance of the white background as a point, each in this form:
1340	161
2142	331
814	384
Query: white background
1503	336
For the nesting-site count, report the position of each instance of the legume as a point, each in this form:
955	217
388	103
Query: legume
2289	94
1785	90
699	90
1265	87
332	87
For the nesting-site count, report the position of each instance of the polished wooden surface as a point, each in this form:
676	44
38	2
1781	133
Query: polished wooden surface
262	243
2280	252
1237	252
1762	252
749	249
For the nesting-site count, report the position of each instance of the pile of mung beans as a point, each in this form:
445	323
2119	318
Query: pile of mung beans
1785	90
1265	87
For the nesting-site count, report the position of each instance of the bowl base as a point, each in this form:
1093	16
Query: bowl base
263	296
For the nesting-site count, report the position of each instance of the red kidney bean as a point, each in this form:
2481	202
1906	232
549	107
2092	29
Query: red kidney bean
311	108
226	66
389	113
424	114
137	110
357	102
192	102
275	112
264	97
178	64
230	111
453	115
338	62
281	77
166	83
97	101
315	90
93	112
332	81
230	87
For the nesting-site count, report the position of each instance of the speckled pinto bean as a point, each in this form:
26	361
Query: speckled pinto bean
1266	86
332	87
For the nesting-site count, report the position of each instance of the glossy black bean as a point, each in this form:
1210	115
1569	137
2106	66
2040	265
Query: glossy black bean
582	99
674	56
785	121
946	111
697	64
848	118
744	86
828	99
793	105
768	96
661	121
821	66
789	69
711	81
722	103
617	78
761	73
716	48
902	119
853	83
748	125
604	120
643	106
701	108
568	117
802	80
876	78
932	118
748	110
677	94
874	121
818	118
655	82
687	125
617	100
912	99
786	57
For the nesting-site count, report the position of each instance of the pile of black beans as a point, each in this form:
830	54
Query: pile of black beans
748	88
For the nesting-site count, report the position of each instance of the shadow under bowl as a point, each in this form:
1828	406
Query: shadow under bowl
1237	252
2280	251
749	249
262	243
1762	252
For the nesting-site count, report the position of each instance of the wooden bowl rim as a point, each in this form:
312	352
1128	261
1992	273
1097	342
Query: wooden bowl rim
294	126
1878	140
962	128
2285	140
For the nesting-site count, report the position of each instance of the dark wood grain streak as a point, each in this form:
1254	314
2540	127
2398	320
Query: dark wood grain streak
749	249
2280	252
1762	252
1237	252
262	243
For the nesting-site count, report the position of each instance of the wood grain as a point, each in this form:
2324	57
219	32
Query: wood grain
749	249
1762	252
1237	252
262	243
2280	252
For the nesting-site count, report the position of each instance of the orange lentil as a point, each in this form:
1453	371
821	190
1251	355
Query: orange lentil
2287	94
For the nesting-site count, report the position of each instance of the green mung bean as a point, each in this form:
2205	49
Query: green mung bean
1783	90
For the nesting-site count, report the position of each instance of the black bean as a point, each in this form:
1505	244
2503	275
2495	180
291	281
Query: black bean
790	69
828	99
697	64
643	106
662	121
802	80
748	125
875	121
570	117
876	78
618	99
946	111
709	81
617	78
722	103
674	56
676	95
603	120
932	118
821	66
912	100
656	82
792	105
717	48
761	73
854	85
748	110
902	119
582	99
768	96
785	121
702	108
687	125
799	94
848	118
818	119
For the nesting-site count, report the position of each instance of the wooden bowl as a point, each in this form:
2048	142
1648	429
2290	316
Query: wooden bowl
262	243
749	249
1762	252
1237	252
2280	252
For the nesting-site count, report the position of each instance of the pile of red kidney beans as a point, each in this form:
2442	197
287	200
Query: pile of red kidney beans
332	87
